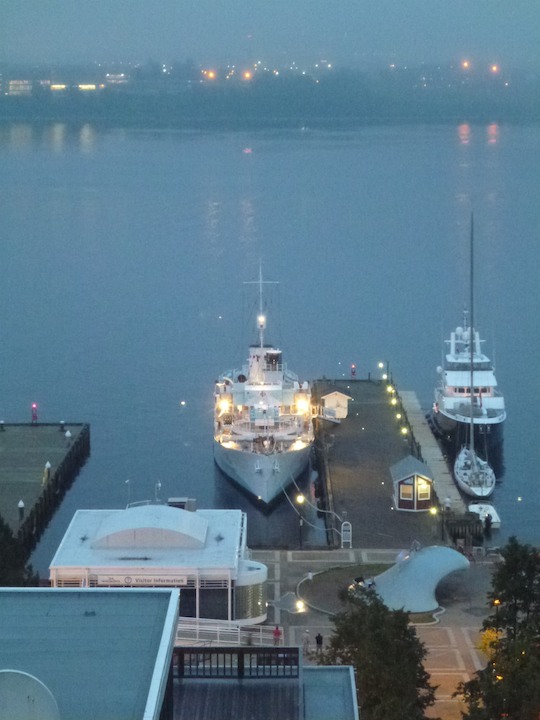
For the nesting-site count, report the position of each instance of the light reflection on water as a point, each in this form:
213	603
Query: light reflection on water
124	256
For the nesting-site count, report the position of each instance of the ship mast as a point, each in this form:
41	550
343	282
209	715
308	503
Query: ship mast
261	319
472	339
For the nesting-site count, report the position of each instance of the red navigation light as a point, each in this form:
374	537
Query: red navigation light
353	369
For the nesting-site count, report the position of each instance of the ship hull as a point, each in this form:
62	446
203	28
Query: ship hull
488	437
263	476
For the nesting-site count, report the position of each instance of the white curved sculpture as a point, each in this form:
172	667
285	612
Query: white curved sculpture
410	584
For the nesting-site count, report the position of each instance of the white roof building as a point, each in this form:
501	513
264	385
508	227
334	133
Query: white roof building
203	553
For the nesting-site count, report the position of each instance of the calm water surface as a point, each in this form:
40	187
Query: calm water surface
123	256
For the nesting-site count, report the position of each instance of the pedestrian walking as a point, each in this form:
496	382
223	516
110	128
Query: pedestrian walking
277	636
319	642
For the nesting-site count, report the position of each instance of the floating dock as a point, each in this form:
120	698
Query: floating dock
355	457
38	463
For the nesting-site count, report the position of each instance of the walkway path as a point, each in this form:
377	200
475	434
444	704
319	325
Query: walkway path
451	641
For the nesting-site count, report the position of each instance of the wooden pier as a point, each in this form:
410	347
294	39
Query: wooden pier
354	458
38	463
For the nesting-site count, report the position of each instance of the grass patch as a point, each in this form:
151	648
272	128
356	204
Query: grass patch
323	592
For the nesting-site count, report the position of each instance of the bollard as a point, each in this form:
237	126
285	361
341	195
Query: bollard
20	505
62	427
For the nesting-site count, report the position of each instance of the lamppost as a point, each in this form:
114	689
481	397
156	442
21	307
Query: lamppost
386	374
434	512
300	500
496	604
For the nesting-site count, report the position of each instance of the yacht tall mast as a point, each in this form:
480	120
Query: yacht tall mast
472	340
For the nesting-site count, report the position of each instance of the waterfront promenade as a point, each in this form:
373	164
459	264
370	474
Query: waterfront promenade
451	639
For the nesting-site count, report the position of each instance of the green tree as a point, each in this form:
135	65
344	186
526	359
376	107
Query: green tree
515	594
508	687
387	656
13	569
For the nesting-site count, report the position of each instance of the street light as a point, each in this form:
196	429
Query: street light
496	603
346	528
381	365
434	512
300	499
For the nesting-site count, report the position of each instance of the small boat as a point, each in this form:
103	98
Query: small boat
473	475
483	510
263	426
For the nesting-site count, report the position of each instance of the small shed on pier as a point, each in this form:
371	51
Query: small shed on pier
413	485
335	405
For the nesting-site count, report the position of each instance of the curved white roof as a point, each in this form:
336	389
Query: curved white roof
410	584
152	526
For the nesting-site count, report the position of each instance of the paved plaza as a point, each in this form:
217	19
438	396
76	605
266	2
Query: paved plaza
451	640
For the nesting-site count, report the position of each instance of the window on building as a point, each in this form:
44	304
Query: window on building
405	492
423	490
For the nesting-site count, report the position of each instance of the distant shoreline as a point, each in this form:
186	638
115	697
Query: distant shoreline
211	113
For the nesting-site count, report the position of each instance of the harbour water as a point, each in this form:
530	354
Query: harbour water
123	256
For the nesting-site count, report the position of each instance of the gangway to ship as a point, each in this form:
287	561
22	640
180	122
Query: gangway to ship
190	631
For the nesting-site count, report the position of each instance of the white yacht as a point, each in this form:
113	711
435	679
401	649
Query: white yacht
263	427
469	397
451	413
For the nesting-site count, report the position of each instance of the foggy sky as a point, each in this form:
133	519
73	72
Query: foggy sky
274	31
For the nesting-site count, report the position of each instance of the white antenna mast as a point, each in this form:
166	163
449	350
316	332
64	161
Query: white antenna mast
261	317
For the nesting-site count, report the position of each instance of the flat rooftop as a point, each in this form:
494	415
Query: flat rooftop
101	653
153	536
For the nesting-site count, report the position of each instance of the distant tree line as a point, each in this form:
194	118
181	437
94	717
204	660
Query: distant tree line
342	99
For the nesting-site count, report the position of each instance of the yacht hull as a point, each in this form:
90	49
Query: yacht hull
488	436
264	476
